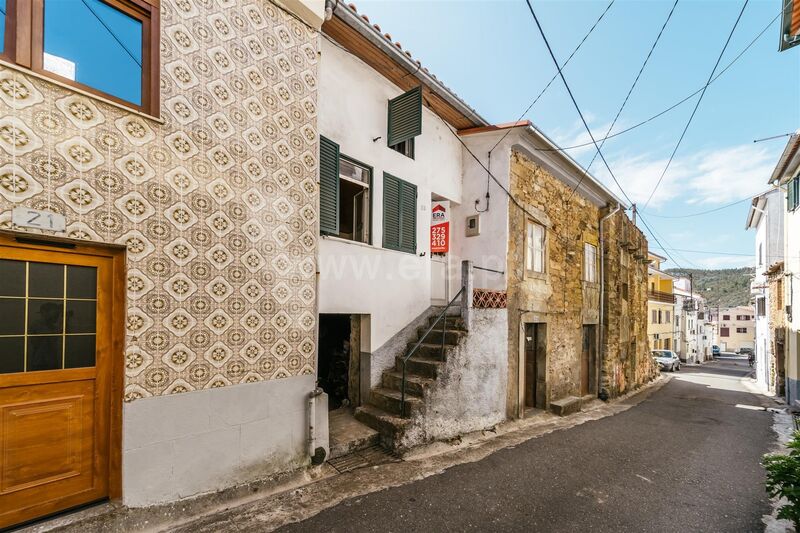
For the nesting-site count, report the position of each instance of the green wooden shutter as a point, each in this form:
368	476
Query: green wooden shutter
405	116
791	195
399	214
391	212
796	182
328	186
408	217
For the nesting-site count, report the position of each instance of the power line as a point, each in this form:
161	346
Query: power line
627	96
111	32
737	202
676	104
583	120
603	14
697	105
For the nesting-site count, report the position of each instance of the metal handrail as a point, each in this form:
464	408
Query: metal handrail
417	345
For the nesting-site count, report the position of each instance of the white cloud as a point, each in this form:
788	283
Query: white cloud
709	177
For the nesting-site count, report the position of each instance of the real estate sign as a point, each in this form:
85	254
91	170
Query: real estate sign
440	227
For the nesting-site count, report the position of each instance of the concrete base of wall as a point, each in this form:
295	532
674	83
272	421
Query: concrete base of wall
183	445
793	392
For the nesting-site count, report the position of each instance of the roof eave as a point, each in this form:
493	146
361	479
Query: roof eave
414	68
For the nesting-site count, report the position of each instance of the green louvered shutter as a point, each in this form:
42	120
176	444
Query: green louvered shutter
791	195
391	212
405	116
796	182
328	186
399	214
408	217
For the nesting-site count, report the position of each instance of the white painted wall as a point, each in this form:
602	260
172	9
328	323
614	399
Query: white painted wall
769	241
392	287
490	248
184	445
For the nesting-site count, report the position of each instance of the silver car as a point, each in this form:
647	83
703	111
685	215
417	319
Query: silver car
667	360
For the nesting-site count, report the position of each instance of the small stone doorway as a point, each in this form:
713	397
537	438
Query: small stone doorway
589	361
339	355
535	365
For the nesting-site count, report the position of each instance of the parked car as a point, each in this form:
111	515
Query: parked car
745	351
715	350
667	360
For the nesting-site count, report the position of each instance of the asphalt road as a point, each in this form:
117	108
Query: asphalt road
685	459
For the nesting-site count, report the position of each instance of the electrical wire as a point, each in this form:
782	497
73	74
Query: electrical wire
111	32
697	105
585	124
538	96
627	96
700	213
676	104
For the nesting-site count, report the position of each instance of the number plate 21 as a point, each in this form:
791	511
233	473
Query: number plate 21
25	217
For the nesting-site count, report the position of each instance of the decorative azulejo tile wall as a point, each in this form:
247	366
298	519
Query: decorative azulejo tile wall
216	205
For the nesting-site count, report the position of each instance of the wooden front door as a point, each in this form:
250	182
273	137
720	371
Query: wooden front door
535	366
56	347
588	362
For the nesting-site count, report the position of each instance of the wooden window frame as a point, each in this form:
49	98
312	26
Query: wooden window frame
24	46
586	271
530	271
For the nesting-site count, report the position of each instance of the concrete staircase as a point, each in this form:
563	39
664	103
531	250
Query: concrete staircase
383	409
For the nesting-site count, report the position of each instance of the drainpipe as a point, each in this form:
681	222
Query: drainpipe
317	454
601	338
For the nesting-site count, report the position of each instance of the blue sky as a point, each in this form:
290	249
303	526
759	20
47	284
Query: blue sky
491	54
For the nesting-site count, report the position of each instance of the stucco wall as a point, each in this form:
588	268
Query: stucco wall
792	293
184	445
392	287
469	394
559	296
217	203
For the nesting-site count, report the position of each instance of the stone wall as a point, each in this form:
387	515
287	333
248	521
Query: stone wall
216	201
559	297
777	326
627	363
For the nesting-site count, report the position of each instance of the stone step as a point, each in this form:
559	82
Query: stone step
391	427
390	401
451	336
415	385
427	368
453	322
348	435
429	350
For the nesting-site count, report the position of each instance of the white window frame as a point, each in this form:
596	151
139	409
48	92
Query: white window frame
535	250
589	263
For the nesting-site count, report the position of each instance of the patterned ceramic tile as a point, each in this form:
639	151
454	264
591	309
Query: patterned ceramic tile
216	204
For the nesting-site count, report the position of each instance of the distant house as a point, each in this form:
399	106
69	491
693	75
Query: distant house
765	216
661	327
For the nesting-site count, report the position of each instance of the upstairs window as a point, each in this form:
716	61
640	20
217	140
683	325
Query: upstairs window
724	332
761	306
726	317
344	195
535	247
589	263
741	330
405	121
106	47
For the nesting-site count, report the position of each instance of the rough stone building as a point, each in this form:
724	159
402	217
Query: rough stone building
777	328
173	181
627	364
542	251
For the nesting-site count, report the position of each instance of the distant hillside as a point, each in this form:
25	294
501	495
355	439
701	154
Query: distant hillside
726	287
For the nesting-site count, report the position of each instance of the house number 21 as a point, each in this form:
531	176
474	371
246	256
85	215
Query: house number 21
39	219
